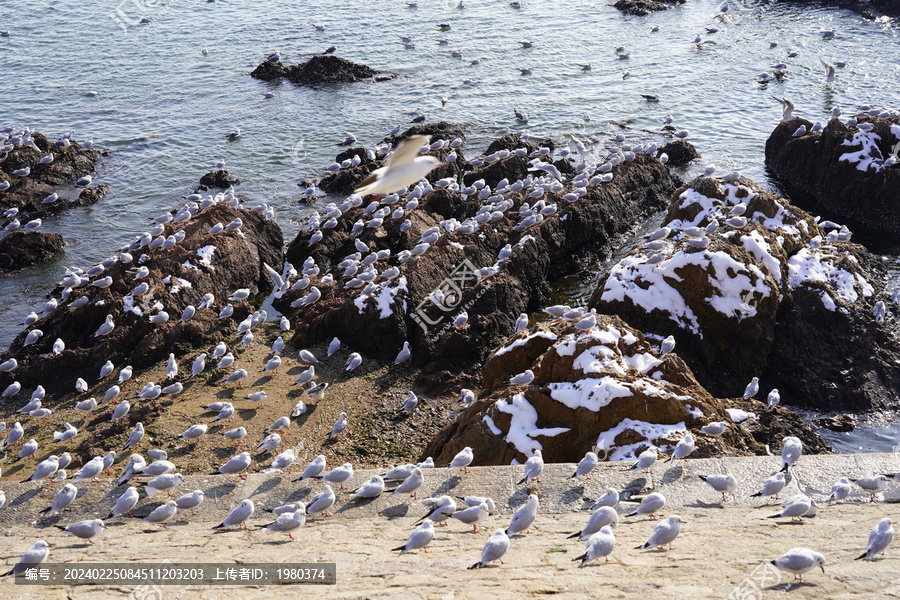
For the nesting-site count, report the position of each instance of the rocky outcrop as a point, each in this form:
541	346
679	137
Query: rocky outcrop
316	71
845	171
680	153
20	249
219	178
485	257
604	388
643	8
178	276
767	292
27	193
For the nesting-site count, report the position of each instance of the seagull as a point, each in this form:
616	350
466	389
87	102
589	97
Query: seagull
829	71
645	460
787	107
798	561
496	546
524	378
715	429
791	451
35	555
534	466
403	355
420	537
84	529
752	388
462	459
650	504
880	538
125	503
162	513
664	533
321	502
524	516
872	485
723	484
340	425
839	490
599	544
585	465
404	167
772	486
684	447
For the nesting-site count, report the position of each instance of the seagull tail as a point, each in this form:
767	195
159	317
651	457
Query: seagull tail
784	468
774	516
581	558
861	556
702	477
477	565
642	546
522	481
150	490
60	527
403	547
756	495
633	514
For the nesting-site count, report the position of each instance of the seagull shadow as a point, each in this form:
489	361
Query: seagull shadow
701	504
672	475
791	586
246	413
356	503
220	491
298	494
266	486
395	512
278	542
296	370
517	499
261	381
448	485
633	487
222	394
572	496
26	496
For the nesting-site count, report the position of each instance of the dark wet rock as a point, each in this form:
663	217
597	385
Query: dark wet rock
317	70
812	165
345	180
605	387
178	278
841	423
680	153
22	249
872	9
643	8
564	243
28	193
220	178
777	297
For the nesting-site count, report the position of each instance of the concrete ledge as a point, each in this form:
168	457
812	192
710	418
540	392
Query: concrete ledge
722	551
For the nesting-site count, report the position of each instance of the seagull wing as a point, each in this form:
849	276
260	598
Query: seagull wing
407	150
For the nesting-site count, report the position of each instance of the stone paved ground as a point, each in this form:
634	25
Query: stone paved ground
720	549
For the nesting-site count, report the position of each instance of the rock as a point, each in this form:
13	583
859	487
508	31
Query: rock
842	172
771	297
316	71
680	153
23	249
872	9
220	178
841	423
643	8
178	277
401	311
28	193
605	387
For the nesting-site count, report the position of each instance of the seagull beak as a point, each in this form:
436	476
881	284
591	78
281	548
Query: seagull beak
823	568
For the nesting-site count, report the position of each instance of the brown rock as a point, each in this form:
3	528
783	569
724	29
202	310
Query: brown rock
23	249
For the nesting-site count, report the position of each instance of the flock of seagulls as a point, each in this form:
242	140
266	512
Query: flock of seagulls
406	480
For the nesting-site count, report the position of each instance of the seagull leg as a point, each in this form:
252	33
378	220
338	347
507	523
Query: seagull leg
194	513
90	542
